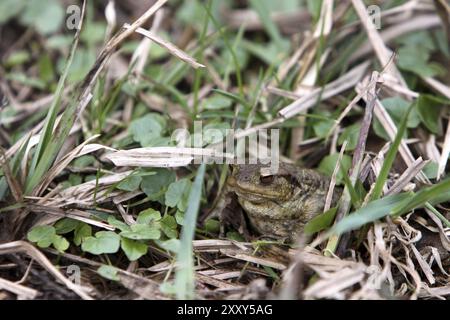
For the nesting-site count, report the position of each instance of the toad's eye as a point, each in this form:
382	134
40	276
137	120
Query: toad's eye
266	179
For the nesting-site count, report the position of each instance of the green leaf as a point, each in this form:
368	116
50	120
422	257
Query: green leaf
351	134
142	232
108	272
320	222
103	242
154	186
175	193
396	107
168	288
42	235
148	216
60	243
430	109
58	41
216	102
148	128
430	170
66	225
118	224
17	58
323	126
214	132
133	249
46	70
83	161
212	225
82	63
46	16
169	226
172	245
10	8
93	32
81	232
74	179
421	39
26	80
442	42
415	59
191	12
130	183
328	164
235	236
179	216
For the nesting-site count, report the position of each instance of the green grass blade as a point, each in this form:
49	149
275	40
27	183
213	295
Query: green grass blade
270	26
15	166
438	214
185	276
232	52
320	222
232	96
394	205
390	157
426	195
47	150
49	124
355	199
375	210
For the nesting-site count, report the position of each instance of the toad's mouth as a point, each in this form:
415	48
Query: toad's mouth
254	198
257	194
257	199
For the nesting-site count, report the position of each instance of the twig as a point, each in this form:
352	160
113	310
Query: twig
445	152
375	39
407	176
22	292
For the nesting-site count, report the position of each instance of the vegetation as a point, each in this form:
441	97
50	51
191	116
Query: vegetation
92	173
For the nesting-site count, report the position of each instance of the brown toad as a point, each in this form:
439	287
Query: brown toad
279	205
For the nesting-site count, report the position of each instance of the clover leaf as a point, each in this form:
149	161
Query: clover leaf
147	216
177	194
108	272
103	242
42	235
169	226
82	232
133	249
142	232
